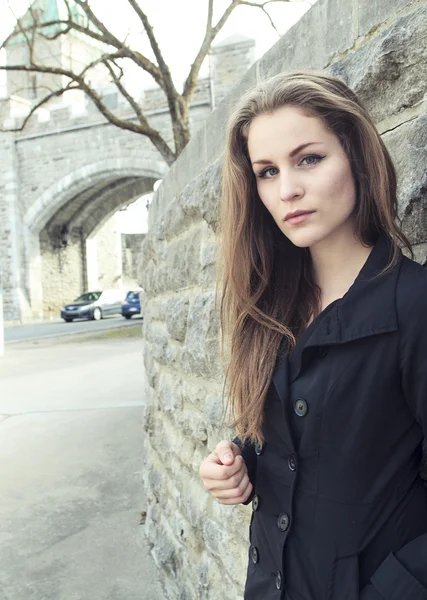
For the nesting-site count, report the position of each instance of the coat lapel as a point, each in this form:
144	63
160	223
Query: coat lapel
280	382
368	308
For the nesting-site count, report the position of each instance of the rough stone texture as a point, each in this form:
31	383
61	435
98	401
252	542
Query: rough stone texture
328	28
131	258
408	147
109	247
390	70
372	14
227	58
199	545
62	274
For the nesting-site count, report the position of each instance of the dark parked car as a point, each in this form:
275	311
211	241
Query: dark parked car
94	305
131	305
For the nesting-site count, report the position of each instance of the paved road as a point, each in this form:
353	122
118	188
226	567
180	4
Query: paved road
47	329
70	473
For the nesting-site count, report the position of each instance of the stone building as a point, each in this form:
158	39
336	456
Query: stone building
69	171
379	49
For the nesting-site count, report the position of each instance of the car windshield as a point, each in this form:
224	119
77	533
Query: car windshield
133	295
88	297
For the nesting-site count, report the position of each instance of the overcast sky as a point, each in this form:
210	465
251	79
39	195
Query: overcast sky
179	26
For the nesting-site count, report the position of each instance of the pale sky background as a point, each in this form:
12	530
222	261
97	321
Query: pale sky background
179	25
179	28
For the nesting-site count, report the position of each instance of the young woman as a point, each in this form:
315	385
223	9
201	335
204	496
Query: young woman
327	375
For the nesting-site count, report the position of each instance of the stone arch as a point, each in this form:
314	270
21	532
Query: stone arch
95	214
84	199
78	182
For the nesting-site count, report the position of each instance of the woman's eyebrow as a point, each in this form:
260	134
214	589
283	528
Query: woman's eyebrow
291	154
301	147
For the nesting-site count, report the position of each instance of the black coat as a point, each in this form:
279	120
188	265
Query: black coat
340	509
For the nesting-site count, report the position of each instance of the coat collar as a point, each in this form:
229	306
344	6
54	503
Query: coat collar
368	308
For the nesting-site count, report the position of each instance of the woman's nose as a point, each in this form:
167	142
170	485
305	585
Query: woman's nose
290	188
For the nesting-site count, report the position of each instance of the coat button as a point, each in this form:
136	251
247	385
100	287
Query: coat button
254	554
292	462
322	351
283	521
258	449
301	407
255	503
278	580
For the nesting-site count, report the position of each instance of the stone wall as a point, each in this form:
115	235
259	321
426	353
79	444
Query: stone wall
131	258
63	272
108	241
379	48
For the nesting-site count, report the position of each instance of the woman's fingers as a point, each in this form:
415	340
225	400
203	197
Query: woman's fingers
238	499
232	492
210	469
225	475
231	482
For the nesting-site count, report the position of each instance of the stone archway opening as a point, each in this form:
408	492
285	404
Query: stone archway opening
62	235
81	245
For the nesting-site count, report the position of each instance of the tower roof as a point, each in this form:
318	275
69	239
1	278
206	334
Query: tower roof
47	11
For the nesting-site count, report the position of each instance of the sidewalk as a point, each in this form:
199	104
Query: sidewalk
71	497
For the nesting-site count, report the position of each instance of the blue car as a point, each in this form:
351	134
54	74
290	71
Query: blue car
131	305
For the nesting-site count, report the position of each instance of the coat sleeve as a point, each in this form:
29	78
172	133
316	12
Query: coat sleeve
403	575
248	453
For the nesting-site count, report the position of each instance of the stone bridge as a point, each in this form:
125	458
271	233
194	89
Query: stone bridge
68	172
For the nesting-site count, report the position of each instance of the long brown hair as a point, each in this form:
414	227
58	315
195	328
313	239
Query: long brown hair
268	290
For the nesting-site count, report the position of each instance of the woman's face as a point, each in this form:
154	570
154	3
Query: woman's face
302	170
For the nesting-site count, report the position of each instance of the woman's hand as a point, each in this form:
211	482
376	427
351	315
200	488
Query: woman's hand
225	475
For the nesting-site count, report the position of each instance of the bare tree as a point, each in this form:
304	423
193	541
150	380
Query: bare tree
113	54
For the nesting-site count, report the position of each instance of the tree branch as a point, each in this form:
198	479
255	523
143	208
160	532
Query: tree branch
154	135
111	39
210	34
138	58
31	30
152	39
45	100
262	7
172	96
125	93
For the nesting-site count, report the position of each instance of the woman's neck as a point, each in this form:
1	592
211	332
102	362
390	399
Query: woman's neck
336	264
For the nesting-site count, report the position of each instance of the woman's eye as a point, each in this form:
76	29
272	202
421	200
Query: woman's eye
267	173
312	159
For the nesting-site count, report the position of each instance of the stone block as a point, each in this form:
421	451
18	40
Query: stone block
195	500
176	317
200	198
407	145
420	255
171	444
216	538
165	550
192	424
215	410
325	30
372	14
182	262
173	222
169	393
388	72
201	357
157	336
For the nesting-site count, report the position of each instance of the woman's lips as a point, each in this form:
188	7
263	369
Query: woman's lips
298	218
